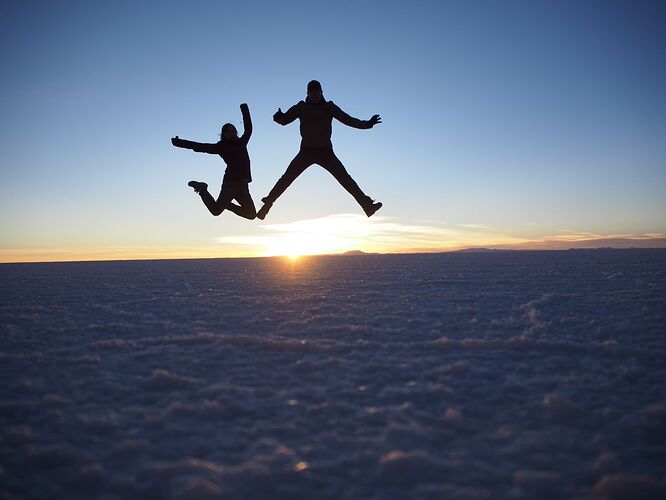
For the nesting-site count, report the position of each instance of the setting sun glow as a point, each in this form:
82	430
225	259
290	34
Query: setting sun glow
326	235
295	244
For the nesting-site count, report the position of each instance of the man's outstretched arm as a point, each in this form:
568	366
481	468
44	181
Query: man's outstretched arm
247	122
350	121
288	117
199	147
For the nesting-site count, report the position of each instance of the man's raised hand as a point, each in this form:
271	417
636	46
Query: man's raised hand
375	120
277	117
175	140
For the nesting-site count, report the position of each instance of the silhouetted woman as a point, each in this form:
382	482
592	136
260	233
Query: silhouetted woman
233	150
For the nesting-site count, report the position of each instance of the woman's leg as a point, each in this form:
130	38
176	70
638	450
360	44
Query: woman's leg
216	207
246	208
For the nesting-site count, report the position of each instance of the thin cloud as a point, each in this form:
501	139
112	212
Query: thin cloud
477	226
343	232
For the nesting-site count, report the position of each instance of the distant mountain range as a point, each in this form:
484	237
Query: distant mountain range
592	244
601	243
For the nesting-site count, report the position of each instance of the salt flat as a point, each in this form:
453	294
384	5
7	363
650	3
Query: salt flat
452	376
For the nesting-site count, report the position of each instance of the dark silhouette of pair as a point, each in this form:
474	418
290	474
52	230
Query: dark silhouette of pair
316	116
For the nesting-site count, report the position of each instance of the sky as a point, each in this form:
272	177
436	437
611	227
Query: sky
517	124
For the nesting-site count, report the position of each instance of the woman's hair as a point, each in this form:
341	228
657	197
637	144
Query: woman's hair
227	126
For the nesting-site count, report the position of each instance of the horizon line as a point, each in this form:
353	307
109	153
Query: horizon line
349	253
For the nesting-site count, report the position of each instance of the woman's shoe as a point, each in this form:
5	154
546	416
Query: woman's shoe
198	186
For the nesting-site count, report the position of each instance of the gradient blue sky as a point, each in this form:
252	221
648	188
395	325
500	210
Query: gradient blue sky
504	122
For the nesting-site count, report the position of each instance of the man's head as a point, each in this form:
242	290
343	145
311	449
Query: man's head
229	131
315	94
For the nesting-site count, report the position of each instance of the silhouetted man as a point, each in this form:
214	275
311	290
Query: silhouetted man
237	177
316	115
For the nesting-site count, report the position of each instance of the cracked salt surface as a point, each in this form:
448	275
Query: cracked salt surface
457	376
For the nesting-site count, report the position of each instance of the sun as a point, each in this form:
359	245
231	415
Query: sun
296	245
325	235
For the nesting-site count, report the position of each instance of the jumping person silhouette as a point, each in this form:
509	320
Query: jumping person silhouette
316	116
233	150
